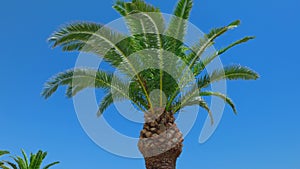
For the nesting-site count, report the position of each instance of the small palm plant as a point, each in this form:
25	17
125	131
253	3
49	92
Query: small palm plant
34	162
160	139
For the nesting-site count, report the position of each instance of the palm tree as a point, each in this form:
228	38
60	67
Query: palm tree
160	139
34	162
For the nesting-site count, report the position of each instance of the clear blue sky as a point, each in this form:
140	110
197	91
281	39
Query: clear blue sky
265	134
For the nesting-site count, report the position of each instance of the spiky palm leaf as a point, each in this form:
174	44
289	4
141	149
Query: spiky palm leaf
178	25
200	48
222	96
190	100
76	80
2	152
234	72
200	66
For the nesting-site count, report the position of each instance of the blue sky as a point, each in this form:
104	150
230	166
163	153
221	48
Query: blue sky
265	134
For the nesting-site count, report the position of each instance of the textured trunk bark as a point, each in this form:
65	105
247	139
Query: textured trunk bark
160	141
165	160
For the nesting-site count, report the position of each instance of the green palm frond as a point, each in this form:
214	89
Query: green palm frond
20	162
88	78
199	49
50	165
105	41
177	26
2	152
37	159
144	21
120	7
2	163
214	33
134	96
105	102
3	167
200	66
14	166
32	159
243	40
25	157
222	96
140	16
191	101
135	6
81	31
90	37
183	9
146	25
79	79
76	80
234	72
173	41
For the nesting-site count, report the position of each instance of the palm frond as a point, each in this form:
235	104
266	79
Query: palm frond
234	72
191	101
50	165
25	157
106	101
2	166
222	96
183	9
141	13
2	152
76	80
126	8
134	94
177	26
105	41
173	41
79	79
200	66
113	96
90	37
14	166
243	40
20	162
36	162
2	163
73	32
144	21
120	7
146	25
198	50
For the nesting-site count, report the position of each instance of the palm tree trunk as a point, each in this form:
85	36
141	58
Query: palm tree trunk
165	160
160	141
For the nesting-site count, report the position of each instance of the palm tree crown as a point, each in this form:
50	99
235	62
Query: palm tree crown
116	48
